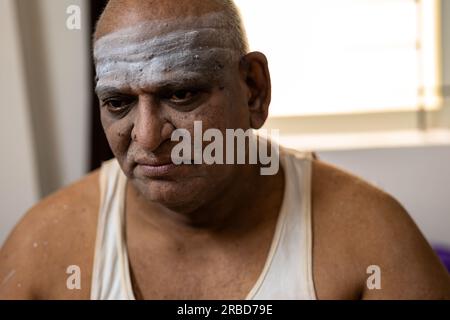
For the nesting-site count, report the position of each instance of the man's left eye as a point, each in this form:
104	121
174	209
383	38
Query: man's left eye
183	95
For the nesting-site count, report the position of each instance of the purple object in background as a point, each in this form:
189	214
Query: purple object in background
444	254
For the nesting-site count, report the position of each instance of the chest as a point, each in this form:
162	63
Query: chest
196	271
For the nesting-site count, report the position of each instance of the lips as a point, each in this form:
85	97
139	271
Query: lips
154	167
153	162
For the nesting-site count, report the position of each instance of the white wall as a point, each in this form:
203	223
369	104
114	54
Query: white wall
19	187
45	119
57	64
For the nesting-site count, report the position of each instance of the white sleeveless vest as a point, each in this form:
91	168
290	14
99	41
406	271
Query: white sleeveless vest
287	273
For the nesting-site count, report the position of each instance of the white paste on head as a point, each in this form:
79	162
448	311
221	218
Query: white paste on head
167	50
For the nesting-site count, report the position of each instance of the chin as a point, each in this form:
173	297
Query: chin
180	196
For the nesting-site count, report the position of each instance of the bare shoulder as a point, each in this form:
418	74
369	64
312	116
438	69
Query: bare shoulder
56	233
358	226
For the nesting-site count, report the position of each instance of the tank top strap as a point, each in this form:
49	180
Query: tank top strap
110	276
288	273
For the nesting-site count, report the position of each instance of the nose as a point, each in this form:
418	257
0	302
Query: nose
150	128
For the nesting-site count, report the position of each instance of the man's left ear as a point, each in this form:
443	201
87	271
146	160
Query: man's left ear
255	70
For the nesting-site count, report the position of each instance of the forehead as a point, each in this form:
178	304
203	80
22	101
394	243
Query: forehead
153	27
160	49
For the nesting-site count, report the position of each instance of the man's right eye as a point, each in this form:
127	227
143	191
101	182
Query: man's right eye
117	104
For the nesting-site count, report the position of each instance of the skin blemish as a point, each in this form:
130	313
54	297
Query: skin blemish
35	245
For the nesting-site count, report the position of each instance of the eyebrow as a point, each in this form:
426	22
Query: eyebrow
108	90
161	86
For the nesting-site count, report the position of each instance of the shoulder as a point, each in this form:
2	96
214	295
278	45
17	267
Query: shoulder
357	226
56	233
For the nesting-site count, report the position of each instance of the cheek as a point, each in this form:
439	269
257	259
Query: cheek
219	112
118	135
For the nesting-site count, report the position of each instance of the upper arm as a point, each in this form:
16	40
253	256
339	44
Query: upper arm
56	233
357	227
18	261
409	268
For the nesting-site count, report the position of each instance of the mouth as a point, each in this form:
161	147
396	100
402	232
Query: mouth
154	169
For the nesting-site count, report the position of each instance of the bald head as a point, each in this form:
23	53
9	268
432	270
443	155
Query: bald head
121	14
144	43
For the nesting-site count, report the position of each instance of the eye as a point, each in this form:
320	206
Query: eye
182	96
117	104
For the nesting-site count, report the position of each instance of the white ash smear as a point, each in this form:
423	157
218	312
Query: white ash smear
135	56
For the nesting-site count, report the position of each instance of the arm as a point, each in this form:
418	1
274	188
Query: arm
18	262
57	233
409	267
356	226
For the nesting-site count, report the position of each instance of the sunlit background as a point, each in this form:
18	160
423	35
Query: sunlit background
365	83
346	56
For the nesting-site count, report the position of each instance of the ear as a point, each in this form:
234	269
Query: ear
255	72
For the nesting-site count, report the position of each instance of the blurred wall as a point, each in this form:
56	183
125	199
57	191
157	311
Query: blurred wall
44	75
56	64
19	187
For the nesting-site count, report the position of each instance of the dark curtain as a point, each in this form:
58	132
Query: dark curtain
99	148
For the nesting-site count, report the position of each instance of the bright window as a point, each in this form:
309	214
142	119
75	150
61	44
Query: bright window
347	56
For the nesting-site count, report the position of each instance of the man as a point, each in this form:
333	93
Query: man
196	230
